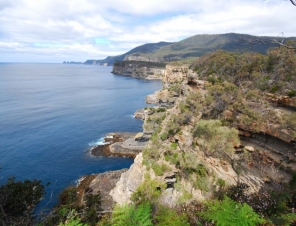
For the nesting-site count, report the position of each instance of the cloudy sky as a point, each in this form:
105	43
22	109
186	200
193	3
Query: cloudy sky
77	30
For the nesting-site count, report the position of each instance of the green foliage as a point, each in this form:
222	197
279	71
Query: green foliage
214	138
164	136
175	88
292	93
68	197
148	191
221	183
292	182
166	216
131	215
287	219
93	204
159	169
160	109
174	146
211	79
274	88
274	72
202	183
228	212
151	153
18	199
171	157
289	120
72	220
186	195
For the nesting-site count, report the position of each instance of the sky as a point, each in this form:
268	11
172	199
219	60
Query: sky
54	31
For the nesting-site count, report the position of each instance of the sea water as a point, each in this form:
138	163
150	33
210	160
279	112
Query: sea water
51	114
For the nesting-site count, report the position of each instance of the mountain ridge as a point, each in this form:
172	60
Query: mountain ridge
194	46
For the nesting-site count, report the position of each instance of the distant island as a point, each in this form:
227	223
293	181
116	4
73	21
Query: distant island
72	62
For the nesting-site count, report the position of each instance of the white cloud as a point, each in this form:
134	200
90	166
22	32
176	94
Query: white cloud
70	28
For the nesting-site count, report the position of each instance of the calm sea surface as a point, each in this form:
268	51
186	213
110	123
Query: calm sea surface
51	114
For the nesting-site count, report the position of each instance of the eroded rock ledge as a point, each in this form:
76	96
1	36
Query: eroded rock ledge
122	144
103	183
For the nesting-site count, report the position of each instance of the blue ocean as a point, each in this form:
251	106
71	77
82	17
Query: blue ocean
51	114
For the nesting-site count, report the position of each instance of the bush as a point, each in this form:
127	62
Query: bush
215	138
148	191
229	212
160	110
131	215
166	216
164	136
221	183
174	146
292	93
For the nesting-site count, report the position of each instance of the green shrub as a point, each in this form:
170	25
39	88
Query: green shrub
72	220
148	191
185	196
164	136
228	212
160	110
214	138
174	146
221	183
274	88
292	93
165	216
201	183
157	169
131	215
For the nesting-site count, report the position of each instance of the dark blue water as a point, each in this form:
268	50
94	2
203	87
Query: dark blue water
50	114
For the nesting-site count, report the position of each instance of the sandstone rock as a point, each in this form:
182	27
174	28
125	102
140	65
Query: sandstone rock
105	182
175	74
152	98
249	148
139	114
129	181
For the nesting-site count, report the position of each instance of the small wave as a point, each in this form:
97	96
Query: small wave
130	116
77	182
100	141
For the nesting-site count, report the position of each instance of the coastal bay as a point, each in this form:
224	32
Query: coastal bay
52	114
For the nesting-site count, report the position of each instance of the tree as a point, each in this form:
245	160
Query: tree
18	200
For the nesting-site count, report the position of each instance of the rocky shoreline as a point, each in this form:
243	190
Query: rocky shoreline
103	183
120	144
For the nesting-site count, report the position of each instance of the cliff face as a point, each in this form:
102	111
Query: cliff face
139	69
180	161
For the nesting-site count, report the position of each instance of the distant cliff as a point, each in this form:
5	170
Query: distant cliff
148	48
139	69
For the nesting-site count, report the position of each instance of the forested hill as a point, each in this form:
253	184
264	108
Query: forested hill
194	46
143	49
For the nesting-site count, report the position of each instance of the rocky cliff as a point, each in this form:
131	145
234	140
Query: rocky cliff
187	162
139	69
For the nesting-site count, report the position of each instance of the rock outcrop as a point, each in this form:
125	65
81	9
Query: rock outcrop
282	100
139	69
129	181
104	183
122	144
